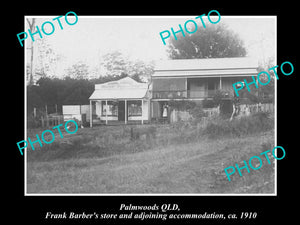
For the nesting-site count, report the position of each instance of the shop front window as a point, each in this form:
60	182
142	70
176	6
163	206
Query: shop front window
111	109
134	108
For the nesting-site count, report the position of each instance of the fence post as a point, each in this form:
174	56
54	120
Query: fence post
43	122
34	112
199	126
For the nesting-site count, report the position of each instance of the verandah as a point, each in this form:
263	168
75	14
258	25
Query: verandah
121	110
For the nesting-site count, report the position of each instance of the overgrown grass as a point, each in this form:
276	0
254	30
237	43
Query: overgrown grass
196	167
257	122
106	141
183	158
257	181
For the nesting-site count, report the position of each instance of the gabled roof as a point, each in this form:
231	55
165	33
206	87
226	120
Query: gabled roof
206	67
125	88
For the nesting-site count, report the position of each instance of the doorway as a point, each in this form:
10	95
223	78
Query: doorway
121	111
164	111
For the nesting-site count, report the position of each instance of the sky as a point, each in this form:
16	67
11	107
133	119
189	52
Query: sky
138	37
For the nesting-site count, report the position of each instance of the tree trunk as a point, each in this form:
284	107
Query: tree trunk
31	27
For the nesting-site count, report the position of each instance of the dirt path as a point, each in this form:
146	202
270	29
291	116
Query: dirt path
186	168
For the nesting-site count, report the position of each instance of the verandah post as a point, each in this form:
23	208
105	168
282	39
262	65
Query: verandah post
125	111
91	114
106	109
142	111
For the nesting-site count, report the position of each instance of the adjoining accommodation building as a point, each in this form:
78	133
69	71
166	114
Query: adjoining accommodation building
128	101
197	79
122	101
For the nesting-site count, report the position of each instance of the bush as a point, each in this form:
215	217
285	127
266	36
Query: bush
33	122
182	105
257	122
207	103
197	112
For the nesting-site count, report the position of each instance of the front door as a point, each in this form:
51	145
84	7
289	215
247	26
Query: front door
121	111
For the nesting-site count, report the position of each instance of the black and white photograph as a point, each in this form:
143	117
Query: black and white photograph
151	105
185	114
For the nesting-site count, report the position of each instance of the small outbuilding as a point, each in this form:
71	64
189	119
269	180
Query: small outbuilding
122	101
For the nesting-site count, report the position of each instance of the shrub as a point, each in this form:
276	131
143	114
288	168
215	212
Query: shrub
197	112
182	105
257	122
207	103
194	110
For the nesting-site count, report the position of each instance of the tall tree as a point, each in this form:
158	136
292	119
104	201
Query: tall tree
140	71
116	65
46	62
214	41
78	71
31	24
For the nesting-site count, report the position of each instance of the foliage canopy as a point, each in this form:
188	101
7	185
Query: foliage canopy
214	41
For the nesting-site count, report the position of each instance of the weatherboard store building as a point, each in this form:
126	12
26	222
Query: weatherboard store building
124	101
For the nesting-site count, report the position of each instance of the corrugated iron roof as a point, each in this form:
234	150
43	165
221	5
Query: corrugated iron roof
125	88
201	67
206	73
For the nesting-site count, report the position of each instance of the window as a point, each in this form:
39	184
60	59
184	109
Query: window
134	108
212	84
174	84
112	108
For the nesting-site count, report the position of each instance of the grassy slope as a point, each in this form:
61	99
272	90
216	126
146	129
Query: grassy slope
169	166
